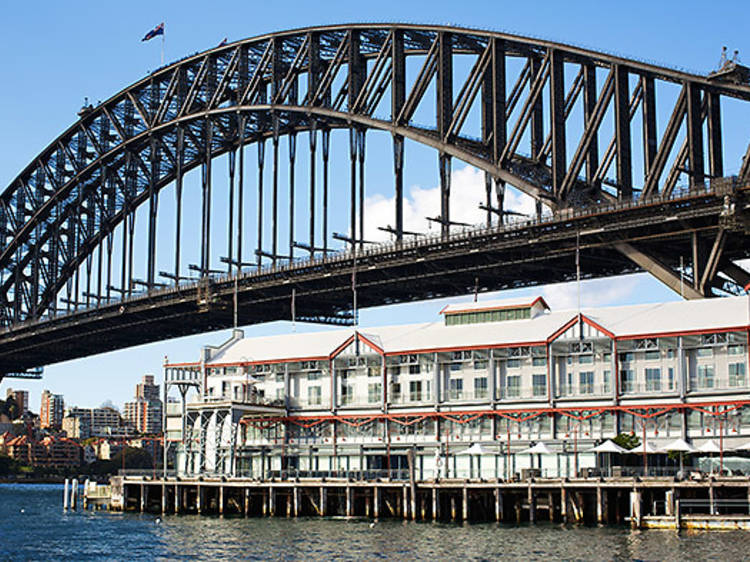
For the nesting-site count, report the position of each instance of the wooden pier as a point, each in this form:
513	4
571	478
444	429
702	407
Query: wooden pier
643	503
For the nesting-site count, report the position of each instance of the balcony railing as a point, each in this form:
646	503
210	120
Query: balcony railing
583	390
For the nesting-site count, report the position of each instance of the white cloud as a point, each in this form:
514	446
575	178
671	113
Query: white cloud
467	192
594	292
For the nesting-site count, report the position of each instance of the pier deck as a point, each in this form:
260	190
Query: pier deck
715	502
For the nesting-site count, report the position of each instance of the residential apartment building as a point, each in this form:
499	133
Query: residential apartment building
82	423
51	410
501	375
20	397
145	412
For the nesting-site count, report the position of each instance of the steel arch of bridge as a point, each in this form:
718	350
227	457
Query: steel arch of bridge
93	177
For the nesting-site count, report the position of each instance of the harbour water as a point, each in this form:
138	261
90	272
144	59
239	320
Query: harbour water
34	527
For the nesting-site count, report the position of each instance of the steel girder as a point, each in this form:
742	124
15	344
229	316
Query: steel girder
118	155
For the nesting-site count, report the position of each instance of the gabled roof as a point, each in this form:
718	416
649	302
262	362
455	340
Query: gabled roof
505	304
621	322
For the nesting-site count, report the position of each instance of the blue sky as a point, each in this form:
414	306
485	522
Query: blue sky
54	54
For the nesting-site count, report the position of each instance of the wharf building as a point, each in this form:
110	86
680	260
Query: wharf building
464	396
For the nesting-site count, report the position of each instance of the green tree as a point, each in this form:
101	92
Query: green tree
627	440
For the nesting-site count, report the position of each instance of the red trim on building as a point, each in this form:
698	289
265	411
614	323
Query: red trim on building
493	308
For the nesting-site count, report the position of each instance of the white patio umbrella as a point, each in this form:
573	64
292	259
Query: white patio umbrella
680	446
538	449
709	446
477	449
609	447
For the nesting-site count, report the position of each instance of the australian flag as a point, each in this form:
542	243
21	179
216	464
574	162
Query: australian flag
158	30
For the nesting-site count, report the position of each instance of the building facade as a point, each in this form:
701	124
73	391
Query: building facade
51	410
82	423
500	376
145	412
20	397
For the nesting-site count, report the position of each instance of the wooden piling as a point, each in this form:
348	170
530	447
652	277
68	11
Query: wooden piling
176	499
498	505
246	506
295	492
564	504
348	501
436	504
465	504
221	500
323	501
143	497
376	502
66	491
551	505
532	504
405	502
453	508
199	499
599	506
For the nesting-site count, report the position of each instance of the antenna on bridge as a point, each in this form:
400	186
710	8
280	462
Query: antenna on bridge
578	283
294	310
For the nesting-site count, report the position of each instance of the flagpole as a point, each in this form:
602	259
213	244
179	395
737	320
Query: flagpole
163	39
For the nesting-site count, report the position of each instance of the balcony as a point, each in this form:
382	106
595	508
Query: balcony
583	391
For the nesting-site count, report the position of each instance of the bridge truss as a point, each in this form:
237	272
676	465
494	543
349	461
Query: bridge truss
574	129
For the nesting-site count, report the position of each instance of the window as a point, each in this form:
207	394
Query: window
456	389
586	382
313	395
653	355
513	363
513	386
607	380
628	380
705	376
736	374
627	357
427	394
670	378
539	361
653	380
373	371
735	350
394	371
585	359
224	389
539	385
455	366
607	357
480	388
415	391
480	364
347	394
279	377
414	369
713	339
671	354
395	392
313	375
374	392
280	394
569	360
705	352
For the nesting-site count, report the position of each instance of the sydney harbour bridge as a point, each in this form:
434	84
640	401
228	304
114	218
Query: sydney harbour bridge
625	160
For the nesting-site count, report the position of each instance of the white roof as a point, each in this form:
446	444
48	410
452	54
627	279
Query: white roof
672	317
622	321
521	302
